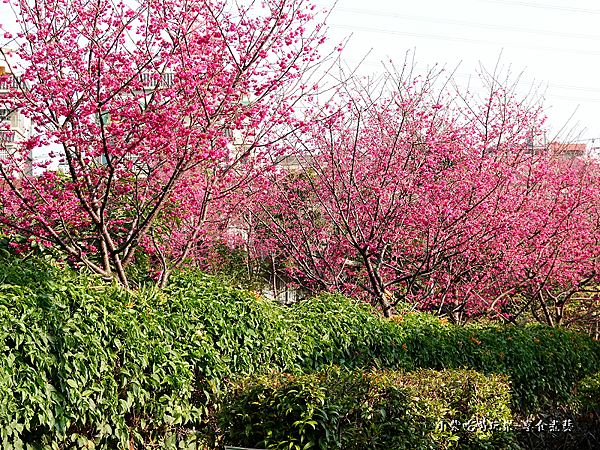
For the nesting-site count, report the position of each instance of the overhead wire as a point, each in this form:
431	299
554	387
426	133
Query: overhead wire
457	39
467	24
368	62
521	83
485	42
537	5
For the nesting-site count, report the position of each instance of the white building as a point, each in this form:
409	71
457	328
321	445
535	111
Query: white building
16	127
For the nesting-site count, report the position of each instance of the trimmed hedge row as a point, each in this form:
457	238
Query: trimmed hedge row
356	410
83	362
544	363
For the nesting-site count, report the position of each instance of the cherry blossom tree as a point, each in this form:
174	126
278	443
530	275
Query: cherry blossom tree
161	109
555	247
403	194
541	252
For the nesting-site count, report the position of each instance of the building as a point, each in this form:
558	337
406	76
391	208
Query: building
567	150
15	127
539	143
536	142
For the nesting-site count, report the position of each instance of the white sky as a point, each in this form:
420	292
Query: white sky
552	42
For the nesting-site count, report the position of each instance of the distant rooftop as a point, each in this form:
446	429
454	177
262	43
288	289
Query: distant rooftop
568	150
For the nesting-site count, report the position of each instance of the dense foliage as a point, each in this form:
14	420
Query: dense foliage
544	363
84	360
335	409
90	362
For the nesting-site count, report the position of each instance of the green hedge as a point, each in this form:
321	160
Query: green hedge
85	363
544	363
355	410
252	335
588	393
85	360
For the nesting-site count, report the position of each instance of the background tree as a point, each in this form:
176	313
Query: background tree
402	194
145	102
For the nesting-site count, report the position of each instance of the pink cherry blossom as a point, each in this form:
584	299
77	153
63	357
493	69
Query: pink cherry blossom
162	110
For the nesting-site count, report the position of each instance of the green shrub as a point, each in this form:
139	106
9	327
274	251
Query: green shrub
85	360
544	364
588	392
249	334
86	363
355	410
335	330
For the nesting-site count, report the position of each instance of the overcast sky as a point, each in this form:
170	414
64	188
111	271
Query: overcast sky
553	42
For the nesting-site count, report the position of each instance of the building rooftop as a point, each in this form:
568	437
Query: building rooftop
567	150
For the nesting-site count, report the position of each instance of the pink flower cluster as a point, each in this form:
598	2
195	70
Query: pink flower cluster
406	195
161	110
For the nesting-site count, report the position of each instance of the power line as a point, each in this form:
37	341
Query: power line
574	99
521	83
543	84
537	5
456	39
467	24
533	83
